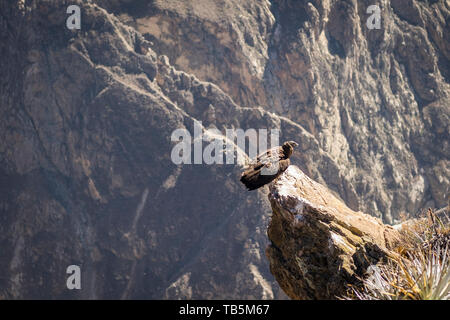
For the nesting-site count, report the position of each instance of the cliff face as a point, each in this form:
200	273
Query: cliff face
376	101
87	177
87	115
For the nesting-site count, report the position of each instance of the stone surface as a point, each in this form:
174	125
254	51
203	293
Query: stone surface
318	245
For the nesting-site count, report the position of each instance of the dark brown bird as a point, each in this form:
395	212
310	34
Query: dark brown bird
268	166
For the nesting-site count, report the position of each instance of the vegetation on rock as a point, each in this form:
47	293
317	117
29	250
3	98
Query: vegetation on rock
422	269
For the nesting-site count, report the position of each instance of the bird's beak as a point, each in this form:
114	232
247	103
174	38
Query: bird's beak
295	144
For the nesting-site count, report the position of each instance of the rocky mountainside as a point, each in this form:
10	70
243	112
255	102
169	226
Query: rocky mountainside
375	100
87	117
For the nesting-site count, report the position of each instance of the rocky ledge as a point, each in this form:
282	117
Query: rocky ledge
318	245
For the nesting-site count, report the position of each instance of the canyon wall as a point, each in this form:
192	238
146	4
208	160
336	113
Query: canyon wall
87	117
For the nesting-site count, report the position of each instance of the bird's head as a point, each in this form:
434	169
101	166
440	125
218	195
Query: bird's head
288	147
291	144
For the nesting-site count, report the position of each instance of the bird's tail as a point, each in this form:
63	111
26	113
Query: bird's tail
249	179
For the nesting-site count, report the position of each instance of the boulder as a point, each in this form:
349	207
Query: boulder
318	245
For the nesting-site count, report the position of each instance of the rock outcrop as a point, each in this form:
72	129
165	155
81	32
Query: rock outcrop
318	245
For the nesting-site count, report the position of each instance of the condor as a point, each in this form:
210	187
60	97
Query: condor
268	166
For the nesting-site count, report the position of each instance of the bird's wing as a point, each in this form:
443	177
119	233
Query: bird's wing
274	168
267	161
270	156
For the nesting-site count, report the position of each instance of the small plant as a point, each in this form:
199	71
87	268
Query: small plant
421	271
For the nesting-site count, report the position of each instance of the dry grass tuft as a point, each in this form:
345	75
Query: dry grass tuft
422	269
